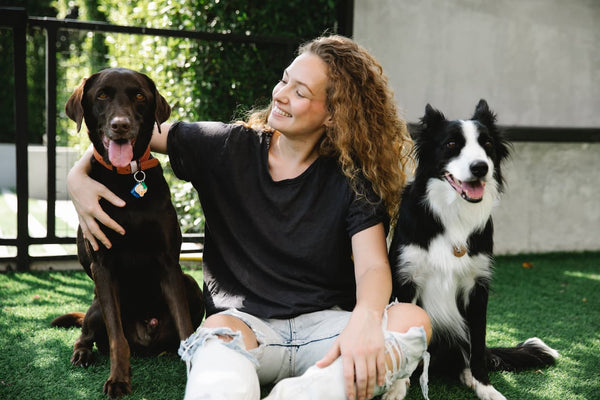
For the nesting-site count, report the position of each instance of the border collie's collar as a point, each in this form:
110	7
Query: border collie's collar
144	162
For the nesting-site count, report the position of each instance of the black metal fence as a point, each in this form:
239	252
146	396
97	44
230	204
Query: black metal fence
18	21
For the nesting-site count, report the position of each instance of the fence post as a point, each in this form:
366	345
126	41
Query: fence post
21	128
51	33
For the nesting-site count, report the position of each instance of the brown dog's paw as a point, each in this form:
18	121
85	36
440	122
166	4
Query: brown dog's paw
117	388
82	357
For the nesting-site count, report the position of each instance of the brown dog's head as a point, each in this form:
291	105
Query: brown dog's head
120	108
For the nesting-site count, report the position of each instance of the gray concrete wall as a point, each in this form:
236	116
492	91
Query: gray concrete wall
37	162
537	62
552	199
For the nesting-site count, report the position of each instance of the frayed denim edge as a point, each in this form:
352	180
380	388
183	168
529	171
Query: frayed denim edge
188	347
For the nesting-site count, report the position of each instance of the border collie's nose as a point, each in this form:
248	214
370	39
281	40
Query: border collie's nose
479	168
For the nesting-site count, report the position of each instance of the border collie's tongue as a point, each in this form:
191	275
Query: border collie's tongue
473	190
120	152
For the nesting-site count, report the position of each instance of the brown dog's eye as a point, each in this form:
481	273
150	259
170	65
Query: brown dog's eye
102	96
140	97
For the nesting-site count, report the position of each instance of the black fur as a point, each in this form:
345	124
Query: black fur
447	209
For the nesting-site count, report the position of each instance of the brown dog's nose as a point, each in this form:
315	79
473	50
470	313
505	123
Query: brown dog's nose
120	124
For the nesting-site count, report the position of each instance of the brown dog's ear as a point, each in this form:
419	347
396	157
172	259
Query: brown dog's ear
73	107
162	111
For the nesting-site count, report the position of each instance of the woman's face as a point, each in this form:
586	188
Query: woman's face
299	99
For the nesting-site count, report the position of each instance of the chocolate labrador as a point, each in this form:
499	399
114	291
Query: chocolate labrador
143	302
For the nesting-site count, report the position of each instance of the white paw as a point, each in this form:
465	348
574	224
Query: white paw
398	390
487	392
484	392
467	378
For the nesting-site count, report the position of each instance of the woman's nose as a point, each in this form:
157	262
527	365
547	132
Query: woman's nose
280	93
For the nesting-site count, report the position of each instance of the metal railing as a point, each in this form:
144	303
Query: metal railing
17	20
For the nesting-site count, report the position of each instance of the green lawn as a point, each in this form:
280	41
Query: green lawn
557	299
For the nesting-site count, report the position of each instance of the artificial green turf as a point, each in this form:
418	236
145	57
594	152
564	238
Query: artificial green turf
557	299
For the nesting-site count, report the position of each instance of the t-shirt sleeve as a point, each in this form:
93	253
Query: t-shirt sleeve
193	146
366	210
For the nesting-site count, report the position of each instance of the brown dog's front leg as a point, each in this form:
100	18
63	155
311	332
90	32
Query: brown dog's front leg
119	381
174	290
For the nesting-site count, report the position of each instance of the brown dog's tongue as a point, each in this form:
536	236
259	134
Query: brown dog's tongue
120	154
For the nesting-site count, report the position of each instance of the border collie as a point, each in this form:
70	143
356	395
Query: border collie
441	252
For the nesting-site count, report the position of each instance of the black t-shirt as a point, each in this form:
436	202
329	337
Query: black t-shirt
272	249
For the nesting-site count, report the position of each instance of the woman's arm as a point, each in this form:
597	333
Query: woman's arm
361	344
158	142
85	194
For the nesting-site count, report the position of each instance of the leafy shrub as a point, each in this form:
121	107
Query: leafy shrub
202	80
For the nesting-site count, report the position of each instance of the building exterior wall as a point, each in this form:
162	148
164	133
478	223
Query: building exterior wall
537	63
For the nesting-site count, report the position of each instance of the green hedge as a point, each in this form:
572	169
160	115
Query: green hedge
202	80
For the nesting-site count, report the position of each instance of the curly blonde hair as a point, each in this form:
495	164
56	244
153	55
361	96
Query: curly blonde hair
366	133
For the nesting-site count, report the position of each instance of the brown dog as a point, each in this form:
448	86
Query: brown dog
143	302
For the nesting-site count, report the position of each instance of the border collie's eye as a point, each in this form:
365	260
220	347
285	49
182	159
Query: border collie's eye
140	97
488	145
450	144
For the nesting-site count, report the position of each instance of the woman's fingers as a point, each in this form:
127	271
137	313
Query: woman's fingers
349	365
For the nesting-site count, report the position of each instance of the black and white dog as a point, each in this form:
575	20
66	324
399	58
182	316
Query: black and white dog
441	252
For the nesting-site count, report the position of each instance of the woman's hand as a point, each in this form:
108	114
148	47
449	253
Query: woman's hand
361	346
85	193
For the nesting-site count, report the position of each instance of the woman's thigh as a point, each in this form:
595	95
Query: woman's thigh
315	335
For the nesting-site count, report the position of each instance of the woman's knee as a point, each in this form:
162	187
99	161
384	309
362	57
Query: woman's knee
235	324
403	316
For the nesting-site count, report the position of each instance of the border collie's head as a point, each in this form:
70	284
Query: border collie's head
466	154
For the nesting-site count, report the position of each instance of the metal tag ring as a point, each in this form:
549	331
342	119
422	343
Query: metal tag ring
135	176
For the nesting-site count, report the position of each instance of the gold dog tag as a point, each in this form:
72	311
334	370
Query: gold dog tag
459	251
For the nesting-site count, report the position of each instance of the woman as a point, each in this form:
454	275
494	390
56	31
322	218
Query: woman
297	202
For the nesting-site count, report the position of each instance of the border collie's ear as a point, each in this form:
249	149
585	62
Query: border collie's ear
483	114
432	117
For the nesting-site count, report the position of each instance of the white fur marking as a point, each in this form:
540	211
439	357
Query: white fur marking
440	278
540	343
484	392
471	152
398	390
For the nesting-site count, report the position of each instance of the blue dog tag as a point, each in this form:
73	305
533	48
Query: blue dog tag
139	190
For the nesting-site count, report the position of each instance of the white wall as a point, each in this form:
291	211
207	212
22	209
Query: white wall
537	63
552	199
37	163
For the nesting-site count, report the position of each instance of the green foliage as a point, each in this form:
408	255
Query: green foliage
35	50
201	80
